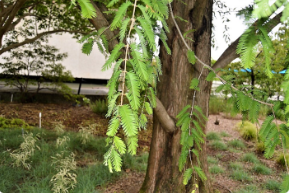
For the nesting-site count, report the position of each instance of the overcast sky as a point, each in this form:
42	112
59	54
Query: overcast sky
236	27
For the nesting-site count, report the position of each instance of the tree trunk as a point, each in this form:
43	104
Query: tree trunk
173	91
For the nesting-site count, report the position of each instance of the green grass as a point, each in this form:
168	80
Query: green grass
93	173
240	175
212	160
272	185
236	143
213	136
217	105
136	163
235	165
250	157
216	169
248	189
218	145
261	169
224	134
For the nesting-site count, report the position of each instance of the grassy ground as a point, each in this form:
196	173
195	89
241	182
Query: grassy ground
90	171
235	166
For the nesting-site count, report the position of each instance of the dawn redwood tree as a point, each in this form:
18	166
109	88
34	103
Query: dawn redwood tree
194	21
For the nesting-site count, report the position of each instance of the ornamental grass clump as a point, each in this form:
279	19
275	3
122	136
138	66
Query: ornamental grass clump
86	132
65	179
22	155
59	128
247	130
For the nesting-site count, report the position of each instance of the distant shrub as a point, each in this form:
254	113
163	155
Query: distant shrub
272	185
248	189
224	134
280	159
213	136
236	144
247	130
240	175
250	157
218	145
13	123
99	107
260	147
212	160
216	169
261	169
235	166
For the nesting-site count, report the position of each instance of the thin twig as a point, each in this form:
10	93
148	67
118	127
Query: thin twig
126	52
208	66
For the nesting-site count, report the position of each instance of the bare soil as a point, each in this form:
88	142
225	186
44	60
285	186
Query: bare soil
73	117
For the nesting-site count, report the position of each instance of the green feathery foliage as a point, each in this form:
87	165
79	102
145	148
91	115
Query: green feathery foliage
285	185
87	9
117	21
113	56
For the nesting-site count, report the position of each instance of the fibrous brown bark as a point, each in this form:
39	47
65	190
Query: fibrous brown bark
163	174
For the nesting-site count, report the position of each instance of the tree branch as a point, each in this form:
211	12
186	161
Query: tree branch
27	41
230	53
103	20
12	26
166	121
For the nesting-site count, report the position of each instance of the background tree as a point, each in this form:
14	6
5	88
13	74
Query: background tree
255	79
24	21
163	174
38	61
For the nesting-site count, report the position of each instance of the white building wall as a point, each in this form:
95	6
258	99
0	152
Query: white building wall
80	65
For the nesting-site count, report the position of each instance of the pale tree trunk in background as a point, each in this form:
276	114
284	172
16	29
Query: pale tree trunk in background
173	91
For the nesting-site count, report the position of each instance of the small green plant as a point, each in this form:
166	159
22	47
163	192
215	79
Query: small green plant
99	106
212	160
247	130
236	166
250	157
280	159
261	169
23	154
86	132
65	179
236	143
86	100
218	145
224	134
59	128
260	147
13	123
240	175
138	163
248	189
272	185
216	169
213	136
